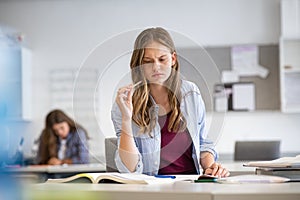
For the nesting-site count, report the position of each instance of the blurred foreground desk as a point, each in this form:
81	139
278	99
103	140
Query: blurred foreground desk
40	173
177	191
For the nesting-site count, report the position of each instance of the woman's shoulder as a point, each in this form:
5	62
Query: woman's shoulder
80	132
188	86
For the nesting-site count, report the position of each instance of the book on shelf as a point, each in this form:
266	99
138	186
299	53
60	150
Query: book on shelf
283	162
115	177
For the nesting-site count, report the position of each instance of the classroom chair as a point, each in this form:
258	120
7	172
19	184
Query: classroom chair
110	149
256	150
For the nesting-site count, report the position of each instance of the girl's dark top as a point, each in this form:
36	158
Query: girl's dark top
176	150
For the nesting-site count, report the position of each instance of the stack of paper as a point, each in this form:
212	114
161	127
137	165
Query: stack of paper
291	162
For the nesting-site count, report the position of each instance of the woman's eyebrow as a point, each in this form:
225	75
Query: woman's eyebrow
147	58
157	57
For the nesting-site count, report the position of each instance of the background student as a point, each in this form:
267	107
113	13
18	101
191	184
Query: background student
160	124
62	141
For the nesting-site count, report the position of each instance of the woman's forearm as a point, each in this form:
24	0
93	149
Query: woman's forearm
211	167
127	150
206	159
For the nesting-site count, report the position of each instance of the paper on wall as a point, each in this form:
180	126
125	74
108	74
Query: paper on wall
244	59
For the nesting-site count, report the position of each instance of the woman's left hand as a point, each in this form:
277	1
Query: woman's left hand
54	161
216	169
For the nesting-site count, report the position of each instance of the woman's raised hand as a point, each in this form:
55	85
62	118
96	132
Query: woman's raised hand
124	101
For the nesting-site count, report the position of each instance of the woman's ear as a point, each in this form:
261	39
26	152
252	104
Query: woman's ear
174	58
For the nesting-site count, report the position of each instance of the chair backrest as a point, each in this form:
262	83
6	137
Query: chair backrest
110	150
256	150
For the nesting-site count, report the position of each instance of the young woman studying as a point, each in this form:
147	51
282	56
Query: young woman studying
160	123
62	141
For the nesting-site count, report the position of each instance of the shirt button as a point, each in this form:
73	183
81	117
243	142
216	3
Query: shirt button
155	163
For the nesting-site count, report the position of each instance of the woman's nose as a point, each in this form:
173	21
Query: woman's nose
156	66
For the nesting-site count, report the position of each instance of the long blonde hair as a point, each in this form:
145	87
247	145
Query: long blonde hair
143	112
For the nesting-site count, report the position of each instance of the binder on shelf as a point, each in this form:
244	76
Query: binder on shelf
236	96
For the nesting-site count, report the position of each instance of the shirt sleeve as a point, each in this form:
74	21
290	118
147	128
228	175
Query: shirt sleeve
116	117
83	150
206	144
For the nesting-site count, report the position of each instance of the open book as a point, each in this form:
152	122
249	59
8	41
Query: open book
115	177
290	162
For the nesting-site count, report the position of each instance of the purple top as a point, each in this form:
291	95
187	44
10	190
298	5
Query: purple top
176	150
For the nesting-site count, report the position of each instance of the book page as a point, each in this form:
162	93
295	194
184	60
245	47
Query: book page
135	178
78	178
126	178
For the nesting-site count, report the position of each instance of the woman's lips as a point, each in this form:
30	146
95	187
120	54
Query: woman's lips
157	75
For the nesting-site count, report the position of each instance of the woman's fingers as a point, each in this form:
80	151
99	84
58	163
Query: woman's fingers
208	171
217	170
225	173
124	93
222	172
124	101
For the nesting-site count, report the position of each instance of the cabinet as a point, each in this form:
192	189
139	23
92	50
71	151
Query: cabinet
289	47
15	82
290	74
290	18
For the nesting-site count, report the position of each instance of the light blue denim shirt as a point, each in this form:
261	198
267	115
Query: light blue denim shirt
77	147
193	109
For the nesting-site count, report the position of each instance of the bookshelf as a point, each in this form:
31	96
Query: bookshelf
289	47
15	82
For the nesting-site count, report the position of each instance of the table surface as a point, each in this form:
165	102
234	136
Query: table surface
96	167
177	190
93	167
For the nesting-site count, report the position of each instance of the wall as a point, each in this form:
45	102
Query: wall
258	125
267	94
61	34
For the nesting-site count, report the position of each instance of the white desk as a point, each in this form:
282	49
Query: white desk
178	190
93	167
275	191
237	168
40	173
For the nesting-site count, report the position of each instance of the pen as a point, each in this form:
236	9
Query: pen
134	86
165	176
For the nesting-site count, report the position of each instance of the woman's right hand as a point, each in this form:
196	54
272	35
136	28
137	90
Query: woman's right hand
124	101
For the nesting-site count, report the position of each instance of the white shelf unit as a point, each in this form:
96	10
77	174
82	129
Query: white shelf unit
289	47
290	18
15	82
26	85
290	74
